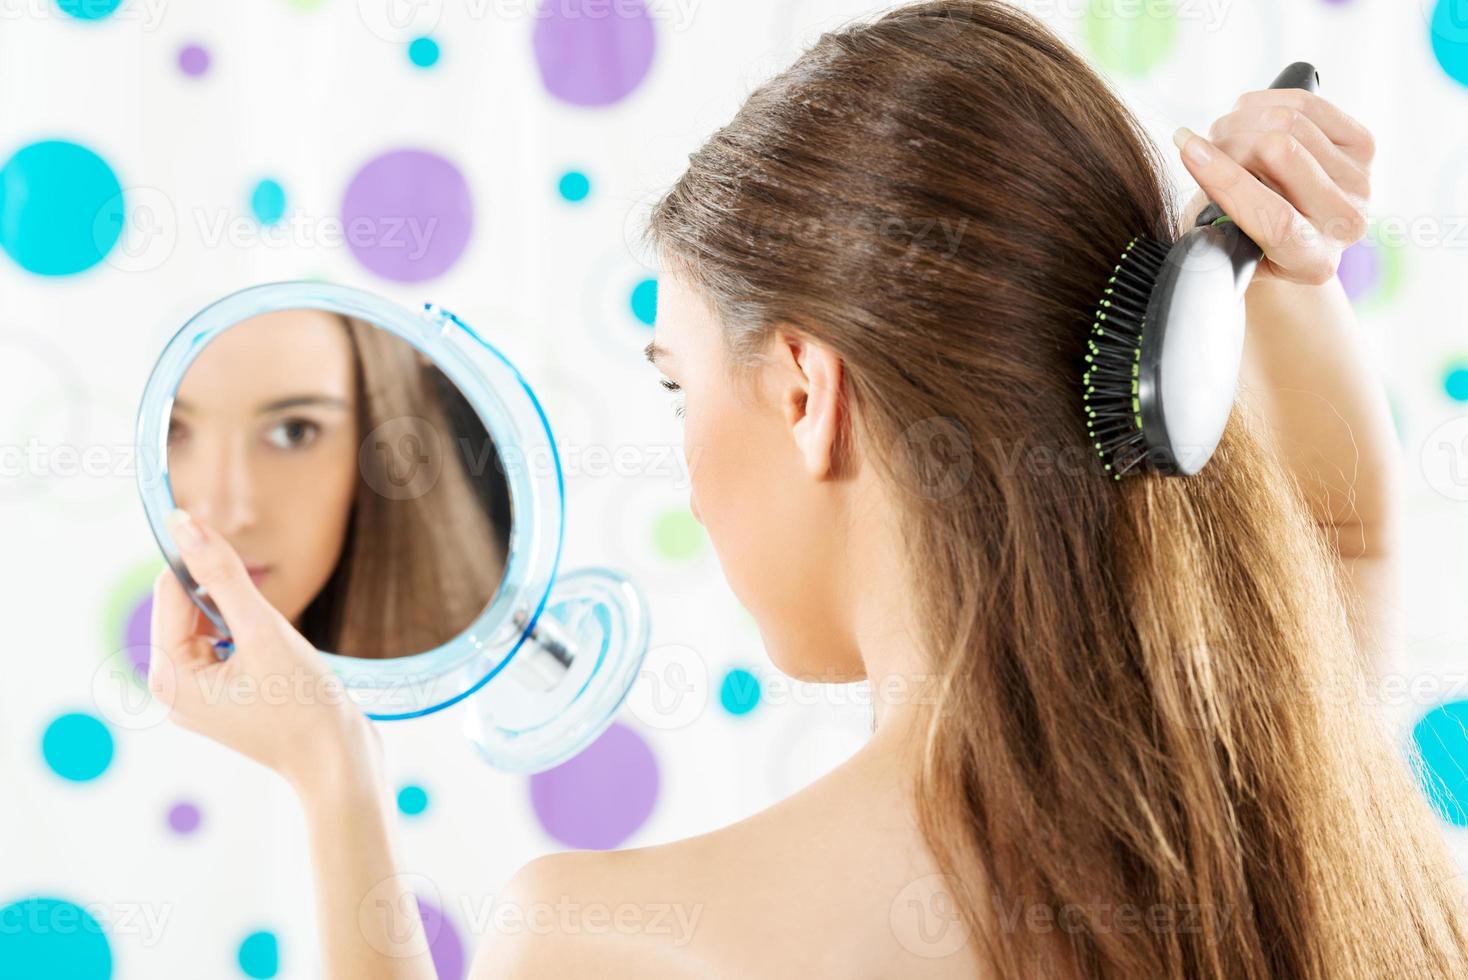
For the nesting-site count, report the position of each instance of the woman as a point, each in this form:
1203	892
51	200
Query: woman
1118	724
334	458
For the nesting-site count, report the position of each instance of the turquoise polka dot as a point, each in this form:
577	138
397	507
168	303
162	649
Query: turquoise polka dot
1442	740
268	202
423	52
645	301
575	186
51	937
412	800
740	692
89	9
260	955
1455	382
1450	38
61	208
77	747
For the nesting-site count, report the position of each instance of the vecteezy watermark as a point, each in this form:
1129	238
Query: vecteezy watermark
400	21
147	14
142	922
925	917
1211	14
1091	918
671	689
389	916
1444	458
568	916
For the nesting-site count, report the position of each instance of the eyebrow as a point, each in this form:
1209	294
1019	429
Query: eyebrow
293	401
653	351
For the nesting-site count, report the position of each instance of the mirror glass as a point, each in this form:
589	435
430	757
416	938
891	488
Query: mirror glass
357	483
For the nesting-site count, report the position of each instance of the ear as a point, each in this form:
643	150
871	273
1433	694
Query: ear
812	402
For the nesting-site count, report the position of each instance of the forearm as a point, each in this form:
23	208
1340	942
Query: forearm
367	913
1306	368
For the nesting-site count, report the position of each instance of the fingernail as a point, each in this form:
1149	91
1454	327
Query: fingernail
183	529
1195	150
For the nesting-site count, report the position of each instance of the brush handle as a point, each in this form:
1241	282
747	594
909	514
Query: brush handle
1301	74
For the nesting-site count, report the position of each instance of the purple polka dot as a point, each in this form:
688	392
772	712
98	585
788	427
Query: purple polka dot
1360	269
444	944
193	60
407	215
599	798
593	52
136	635
183	818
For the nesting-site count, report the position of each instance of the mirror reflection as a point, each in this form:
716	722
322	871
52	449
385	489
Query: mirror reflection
355	480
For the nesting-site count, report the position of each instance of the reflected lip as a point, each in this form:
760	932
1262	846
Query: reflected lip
257	571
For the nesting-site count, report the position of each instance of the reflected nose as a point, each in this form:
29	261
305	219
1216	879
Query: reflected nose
216	487
693	506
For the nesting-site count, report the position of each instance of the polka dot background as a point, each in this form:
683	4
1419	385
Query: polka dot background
494	172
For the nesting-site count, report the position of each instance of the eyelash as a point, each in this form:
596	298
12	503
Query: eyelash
674	386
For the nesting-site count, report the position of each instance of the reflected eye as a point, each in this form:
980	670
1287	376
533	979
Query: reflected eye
674	386
293	434
177	431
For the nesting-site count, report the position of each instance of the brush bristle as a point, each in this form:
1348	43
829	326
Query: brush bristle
1113	359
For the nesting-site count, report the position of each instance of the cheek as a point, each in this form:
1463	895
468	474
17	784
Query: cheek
312	521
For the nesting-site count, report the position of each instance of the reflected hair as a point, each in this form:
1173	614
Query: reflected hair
425	548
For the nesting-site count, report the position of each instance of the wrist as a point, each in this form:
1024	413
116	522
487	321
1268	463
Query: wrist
342	763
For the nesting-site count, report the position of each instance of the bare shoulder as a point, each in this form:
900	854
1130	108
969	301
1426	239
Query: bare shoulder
810	885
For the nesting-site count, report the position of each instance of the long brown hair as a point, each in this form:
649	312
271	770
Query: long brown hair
1136	709
426	550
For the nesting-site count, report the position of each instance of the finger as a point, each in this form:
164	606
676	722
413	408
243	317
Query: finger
1351	175
176	621
1354	139
216	567
1287	167
1286	237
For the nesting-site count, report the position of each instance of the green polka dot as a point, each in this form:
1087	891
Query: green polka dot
677	535
1130	38
412	800
1391	275
306	5
259	955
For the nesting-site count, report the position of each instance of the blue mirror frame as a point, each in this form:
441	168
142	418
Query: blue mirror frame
417	684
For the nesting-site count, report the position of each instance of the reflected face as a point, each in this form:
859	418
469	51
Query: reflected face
263	447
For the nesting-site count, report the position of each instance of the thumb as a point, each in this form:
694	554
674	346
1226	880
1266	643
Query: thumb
216	567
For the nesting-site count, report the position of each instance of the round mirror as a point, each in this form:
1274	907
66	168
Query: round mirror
355	480
392	485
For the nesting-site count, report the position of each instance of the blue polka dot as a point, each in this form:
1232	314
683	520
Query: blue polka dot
423	52
739	694
1455	383
412	800
61	208
1450	38
645	301
575	186
268	202
77	747
50	937
89	9
1442	739
260	955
